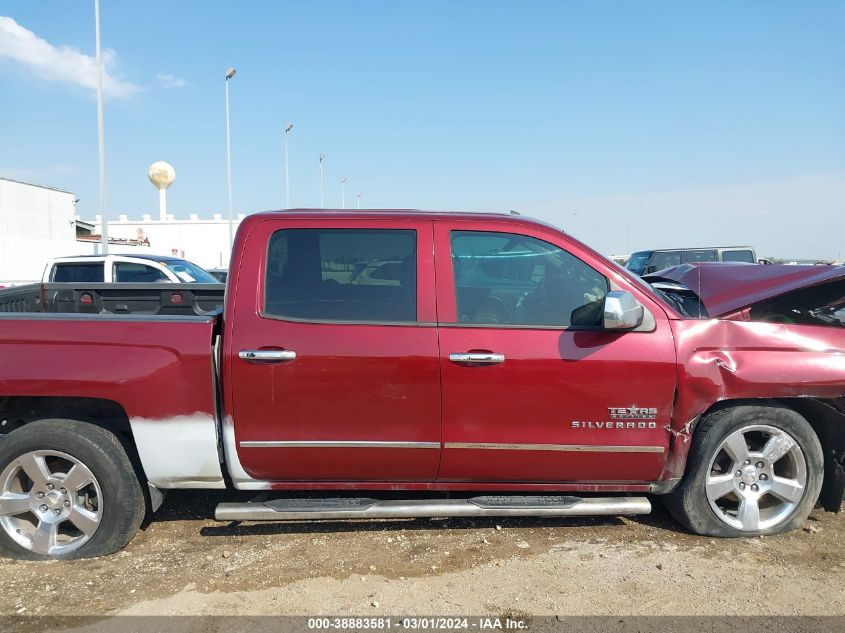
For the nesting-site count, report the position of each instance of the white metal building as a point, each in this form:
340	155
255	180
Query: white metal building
36	224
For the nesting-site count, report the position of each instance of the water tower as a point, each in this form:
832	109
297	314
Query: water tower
162	175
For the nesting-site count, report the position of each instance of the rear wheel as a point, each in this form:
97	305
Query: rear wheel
752	470
67	490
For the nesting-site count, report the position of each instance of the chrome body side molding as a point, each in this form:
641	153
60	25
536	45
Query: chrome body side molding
565	448
336	444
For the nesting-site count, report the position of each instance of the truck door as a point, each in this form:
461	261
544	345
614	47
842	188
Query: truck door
334	359
533	389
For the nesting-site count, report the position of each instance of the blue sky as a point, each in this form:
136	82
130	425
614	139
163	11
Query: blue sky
685	122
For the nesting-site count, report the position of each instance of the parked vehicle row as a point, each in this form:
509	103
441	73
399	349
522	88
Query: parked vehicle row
486	357
125	269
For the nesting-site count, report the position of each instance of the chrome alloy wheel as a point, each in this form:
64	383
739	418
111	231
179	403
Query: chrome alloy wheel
50	502
756	478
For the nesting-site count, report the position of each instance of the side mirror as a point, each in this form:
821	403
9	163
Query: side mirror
621	311
839	315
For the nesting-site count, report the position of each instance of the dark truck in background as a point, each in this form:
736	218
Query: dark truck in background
647	262
114	298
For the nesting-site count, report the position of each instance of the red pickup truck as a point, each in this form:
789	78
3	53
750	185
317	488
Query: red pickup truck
491	365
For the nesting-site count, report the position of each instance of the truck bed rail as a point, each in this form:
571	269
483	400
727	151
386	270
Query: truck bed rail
110	298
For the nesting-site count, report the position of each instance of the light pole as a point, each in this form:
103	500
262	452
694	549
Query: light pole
101	141
229	74
574	223
359	199
343	192
287	174
322	194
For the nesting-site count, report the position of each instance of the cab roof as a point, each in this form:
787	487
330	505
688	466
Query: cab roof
400	214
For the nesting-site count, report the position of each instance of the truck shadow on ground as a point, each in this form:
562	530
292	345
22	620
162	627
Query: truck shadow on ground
183	505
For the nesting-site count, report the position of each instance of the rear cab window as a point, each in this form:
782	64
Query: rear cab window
78	272
342	275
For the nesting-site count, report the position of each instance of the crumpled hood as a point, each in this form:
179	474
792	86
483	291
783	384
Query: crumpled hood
727	287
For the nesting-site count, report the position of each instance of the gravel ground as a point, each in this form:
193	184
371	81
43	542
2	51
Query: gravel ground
186	563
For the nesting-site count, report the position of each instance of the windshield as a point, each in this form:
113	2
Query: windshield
188	272
637	261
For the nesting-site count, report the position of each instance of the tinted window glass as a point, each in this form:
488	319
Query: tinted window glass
661	260
636	263
504	278
738	256
76	273
342	275
188	272
702	255
127	272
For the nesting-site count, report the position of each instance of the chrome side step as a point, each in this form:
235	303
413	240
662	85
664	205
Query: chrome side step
485	506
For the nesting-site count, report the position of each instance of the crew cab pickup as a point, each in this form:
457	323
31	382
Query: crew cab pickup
490	365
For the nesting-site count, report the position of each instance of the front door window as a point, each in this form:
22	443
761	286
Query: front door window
510	279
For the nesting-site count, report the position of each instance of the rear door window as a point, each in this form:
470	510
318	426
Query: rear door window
78	273
347	275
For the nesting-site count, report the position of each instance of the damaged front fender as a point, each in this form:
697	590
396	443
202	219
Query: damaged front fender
725	360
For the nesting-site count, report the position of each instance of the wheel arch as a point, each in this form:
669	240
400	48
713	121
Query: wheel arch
827	418
18	411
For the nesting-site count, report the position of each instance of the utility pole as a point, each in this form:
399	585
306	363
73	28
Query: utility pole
101	141
229	74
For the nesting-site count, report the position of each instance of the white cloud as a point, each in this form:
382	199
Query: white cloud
59	63
168	81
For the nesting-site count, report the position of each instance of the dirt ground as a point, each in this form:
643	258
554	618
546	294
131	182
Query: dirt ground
186	563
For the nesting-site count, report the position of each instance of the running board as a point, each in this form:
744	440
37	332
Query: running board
487	506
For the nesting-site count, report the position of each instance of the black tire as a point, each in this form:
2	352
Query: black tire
689	503
123	503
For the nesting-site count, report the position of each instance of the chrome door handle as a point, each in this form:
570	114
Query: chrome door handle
266	355
479	358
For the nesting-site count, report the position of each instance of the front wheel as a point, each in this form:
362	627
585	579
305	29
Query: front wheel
67	490
752	470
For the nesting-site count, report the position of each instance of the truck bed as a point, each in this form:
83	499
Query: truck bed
107	298
151	376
